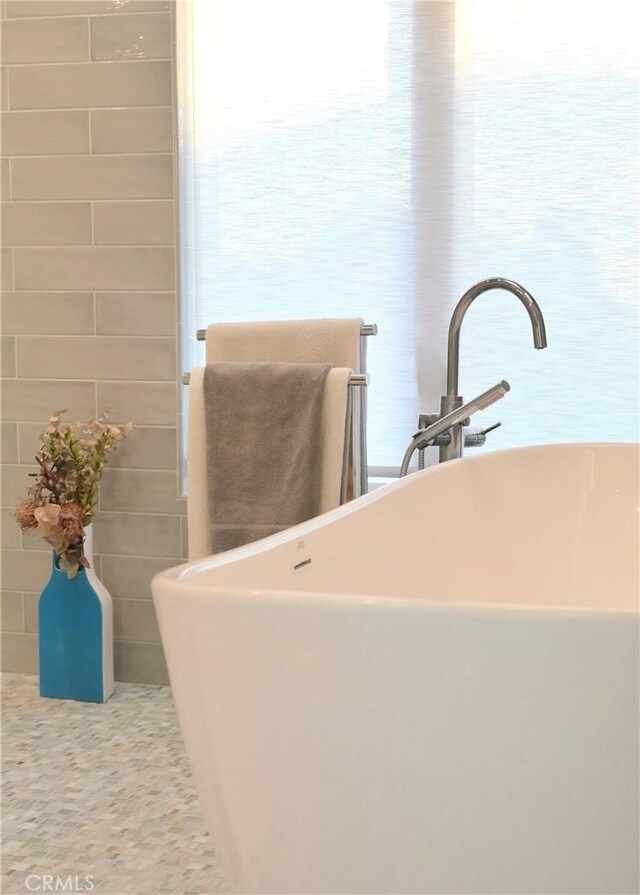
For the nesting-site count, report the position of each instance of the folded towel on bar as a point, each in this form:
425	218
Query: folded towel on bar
333	341
333	465
263	437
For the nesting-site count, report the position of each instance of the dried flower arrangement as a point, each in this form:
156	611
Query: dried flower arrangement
64	498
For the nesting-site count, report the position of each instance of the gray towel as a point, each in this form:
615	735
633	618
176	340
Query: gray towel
262	424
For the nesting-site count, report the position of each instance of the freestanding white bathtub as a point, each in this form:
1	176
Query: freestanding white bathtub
432	689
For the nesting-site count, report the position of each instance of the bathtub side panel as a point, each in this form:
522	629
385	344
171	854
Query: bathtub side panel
191	687
352	749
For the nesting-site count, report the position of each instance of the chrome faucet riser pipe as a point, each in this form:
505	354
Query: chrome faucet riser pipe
531	305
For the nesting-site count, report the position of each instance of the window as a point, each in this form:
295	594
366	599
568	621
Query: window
376	158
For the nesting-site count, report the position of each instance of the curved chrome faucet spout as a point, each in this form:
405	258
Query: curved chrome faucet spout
446	428
535	315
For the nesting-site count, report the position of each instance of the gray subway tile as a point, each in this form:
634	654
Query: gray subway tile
15	481
32	40
90	85
35	400
46	223
99	357
20	8
8	348
132	130
135	620
142	491
45	133
33	313
145	403
6	268
140	663
20	653
95	268
11	614
9	442
31	540
147	448
142	36
185	537
134	534
4	87
93	177
25	570
10	531
136	313
134	223
29	441
130	576
6	179
30	610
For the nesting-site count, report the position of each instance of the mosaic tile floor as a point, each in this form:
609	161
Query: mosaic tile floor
100	793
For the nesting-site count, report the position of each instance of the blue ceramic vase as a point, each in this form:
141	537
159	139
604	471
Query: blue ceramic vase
75	627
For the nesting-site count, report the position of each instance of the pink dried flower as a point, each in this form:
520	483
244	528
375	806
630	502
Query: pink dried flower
71	520
25	516
48	518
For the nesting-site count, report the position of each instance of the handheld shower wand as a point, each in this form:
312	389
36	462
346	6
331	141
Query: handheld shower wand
423	437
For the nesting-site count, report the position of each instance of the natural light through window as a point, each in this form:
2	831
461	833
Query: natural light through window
375	158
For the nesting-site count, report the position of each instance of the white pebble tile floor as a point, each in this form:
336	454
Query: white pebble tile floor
101	794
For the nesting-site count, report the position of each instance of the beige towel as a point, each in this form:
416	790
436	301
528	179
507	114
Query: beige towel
332	341
262	424
197	503
333	437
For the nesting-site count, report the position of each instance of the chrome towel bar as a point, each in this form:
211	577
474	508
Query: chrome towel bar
358	379
368	329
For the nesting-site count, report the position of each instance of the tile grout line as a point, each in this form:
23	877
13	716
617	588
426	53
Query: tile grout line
57	109
48	380
92	206
88	20
19	465
15	357
86	201
94	15
79	292
87	335
80	155
147	60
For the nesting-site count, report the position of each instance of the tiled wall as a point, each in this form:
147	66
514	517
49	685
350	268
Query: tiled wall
89	307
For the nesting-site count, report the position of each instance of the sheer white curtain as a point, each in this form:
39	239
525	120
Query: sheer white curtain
377	157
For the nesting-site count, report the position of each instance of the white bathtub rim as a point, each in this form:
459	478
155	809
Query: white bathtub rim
187	570
164	586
